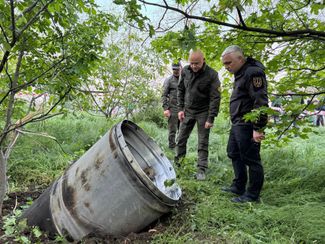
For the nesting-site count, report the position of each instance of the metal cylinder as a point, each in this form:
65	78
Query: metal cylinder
117	187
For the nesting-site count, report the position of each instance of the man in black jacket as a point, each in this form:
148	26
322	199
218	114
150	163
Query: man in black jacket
169	103
198	98
249	92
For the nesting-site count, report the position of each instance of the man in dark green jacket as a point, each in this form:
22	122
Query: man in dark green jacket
169	103
198	98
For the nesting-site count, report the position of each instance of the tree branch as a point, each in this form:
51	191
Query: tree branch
4	33
17	132
303	68
161	19
40	118
33	19
19	33
13	85
306	33
27	10
11	145
298	94
295	11
171	27
13	24
240	17
54	105
9	77
303	6
33	100
18	88
295	118
97	105
43	135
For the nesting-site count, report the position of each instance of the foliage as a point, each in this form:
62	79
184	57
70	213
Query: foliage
123	81
47	49
20	232
152	113
57	50
288	37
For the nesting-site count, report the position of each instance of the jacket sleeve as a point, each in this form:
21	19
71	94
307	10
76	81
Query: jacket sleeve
165	95
215	97
181	92
257	87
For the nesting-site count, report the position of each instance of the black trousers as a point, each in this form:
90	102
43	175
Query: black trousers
245	153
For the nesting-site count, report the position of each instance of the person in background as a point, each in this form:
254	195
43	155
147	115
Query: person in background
249	92
169	103
320	111
198	99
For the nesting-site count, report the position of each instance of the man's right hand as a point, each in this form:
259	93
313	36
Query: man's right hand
181	116
167	113
258	136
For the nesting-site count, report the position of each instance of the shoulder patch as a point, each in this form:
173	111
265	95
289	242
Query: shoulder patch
257	81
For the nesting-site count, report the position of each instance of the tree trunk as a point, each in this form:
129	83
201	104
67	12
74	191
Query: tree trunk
3	179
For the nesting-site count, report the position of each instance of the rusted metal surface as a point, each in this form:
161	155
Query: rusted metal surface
115	188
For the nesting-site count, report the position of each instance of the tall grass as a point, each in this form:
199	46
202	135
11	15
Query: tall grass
292	208
292	202
37	159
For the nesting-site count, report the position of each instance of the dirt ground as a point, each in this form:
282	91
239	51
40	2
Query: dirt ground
17	199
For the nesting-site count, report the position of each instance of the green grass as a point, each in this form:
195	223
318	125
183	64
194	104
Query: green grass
37	160
292	208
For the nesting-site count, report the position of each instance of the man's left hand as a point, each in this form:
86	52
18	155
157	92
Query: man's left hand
208	125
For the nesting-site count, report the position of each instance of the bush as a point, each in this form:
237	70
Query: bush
153	114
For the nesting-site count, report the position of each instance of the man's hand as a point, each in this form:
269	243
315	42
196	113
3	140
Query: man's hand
167	113
258	136
181	116
208	125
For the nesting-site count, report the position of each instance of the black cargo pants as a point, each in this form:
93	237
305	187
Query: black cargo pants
244	152
185	130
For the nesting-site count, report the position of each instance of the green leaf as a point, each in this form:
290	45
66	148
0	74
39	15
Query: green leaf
36	232
169	182
151	31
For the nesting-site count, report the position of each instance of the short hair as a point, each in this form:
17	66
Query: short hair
233	49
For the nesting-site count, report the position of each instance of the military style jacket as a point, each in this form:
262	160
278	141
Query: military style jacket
199	92
169	95
249	92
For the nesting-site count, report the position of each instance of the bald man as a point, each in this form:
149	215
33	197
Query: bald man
198	98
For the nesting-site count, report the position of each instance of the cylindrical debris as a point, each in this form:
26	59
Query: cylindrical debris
120	185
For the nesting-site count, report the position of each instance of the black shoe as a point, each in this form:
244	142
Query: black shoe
244	198
233	190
